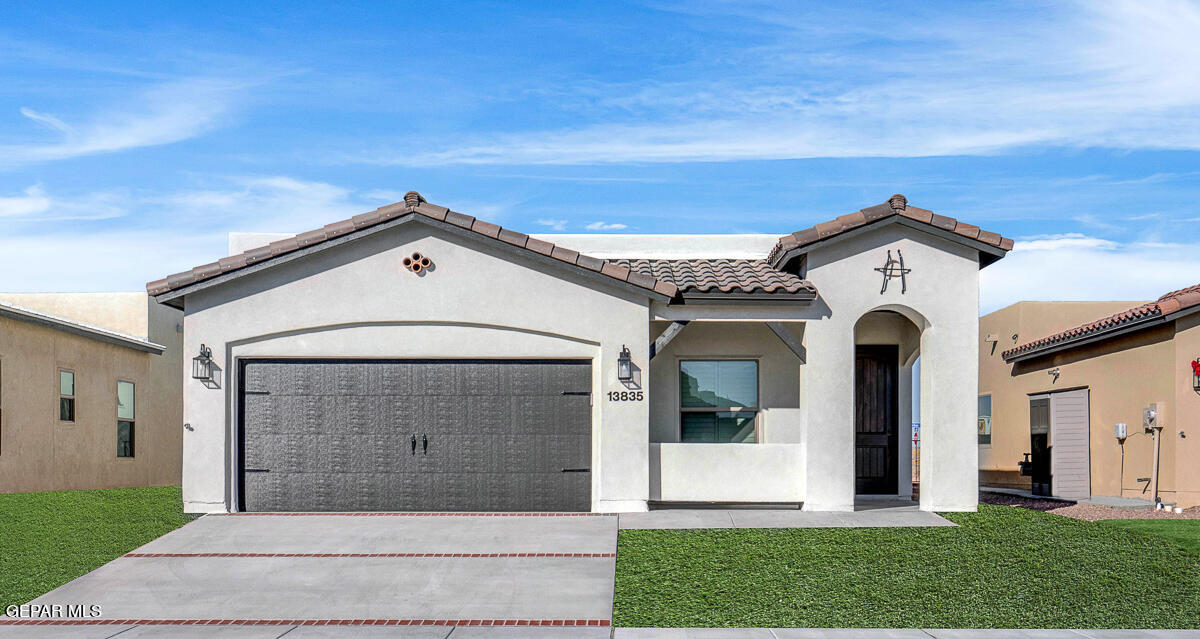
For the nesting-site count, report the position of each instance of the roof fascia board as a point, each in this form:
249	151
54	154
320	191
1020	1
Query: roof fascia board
591	276
738	299
1183	312
73	328
1087	339
992	253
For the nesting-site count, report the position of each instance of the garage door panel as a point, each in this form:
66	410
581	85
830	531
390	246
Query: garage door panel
335	435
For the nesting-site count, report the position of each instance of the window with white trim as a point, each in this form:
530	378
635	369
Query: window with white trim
718	401
985	420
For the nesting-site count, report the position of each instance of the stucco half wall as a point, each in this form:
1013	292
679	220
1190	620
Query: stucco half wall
357	300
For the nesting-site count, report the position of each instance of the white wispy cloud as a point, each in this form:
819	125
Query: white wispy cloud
1106	73
605	226
1077	267
166	113
554	225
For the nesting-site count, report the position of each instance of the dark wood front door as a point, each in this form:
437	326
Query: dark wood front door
876	419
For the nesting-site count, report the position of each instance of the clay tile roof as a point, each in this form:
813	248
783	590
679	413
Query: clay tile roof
1172	302
413	204
721	276
897	205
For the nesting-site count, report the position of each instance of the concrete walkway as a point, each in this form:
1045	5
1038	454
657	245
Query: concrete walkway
868	513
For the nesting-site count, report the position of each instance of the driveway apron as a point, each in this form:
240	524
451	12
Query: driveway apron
384	568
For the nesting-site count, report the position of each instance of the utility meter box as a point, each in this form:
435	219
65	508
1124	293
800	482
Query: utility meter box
1121	431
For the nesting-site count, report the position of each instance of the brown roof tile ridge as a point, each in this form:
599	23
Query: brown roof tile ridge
413	203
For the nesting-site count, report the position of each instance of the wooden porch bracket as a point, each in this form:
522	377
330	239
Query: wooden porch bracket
789	339
671	333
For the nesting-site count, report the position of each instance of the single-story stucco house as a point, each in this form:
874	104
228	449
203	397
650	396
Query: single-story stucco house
415	358
1065	390
91	391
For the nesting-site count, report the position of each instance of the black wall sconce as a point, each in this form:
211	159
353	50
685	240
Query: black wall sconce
205	369
624	365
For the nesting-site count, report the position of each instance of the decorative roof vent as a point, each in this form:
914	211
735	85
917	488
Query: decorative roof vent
412	198
898	202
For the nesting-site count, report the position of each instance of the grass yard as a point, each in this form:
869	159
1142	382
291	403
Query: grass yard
1185	532
1002	567
48	539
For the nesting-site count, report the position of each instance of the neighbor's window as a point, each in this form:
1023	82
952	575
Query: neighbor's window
66	396
124	419
985	419
718	401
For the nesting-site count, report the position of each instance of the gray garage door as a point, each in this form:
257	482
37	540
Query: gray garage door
352	435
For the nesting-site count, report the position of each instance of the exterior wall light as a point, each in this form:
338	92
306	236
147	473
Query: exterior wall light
1196	375
624	365
205	369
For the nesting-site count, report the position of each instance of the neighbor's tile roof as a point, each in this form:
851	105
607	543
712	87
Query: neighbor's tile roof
1167	304
896	205
720	275
413	204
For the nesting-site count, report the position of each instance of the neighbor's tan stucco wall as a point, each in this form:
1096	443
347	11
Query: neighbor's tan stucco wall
39	453
1185	431
121	312
1123	375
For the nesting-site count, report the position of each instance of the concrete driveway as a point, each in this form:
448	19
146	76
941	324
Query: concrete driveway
393	569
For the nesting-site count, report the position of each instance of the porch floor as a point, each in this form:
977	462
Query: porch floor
869	512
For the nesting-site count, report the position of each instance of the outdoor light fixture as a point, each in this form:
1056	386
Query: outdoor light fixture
204	368
1196	375
624	365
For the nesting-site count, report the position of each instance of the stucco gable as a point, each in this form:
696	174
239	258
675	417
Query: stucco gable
171	289
793	247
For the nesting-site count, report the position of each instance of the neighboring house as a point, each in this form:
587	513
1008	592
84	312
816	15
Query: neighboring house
1054	381
90	391
415	358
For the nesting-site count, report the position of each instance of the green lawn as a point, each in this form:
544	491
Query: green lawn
48	539
1185	532
1002	567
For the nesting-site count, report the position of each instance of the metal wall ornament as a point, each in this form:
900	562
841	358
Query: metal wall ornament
892	269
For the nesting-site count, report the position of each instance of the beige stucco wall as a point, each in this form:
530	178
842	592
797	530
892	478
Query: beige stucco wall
1123	375
1184	433
357	300
121	312
38	452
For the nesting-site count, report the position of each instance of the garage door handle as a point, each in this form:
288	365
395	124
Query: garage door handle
424	444
258	470
413	441
577	470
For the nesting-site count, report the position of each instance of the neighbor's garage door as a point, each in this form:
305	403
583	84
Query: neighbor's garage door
354	435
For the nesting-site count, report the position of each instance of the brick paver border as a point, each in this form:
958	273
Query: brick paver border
395	555
305	622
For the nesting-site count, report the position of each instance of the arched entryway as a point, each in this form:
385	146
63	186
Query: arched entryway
887	343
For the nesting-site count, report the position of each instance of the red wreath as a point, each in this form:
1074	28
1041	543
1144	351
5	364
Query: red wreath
1196	368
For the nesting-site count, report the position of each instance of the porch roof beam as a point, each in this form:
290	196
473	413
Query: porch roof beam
671	333
790	340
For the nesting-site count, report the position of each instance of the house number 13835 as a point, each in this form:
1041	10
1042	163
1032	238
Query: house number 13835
625	396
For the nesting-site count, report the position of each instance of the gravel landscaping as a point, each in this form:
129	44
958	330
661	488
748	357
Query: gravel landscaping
1085	512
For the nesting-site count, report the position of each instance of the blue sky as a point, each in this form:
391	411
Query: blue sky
135	136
